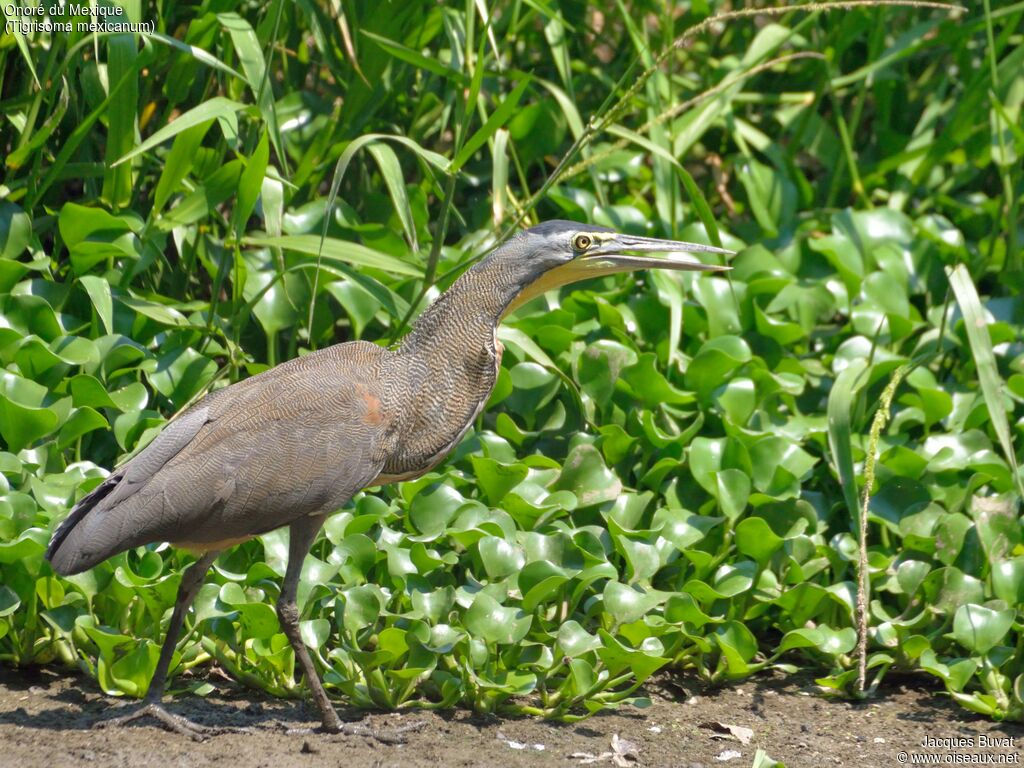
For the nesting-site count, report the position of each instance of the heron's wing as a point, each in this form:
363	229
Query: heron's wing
298	440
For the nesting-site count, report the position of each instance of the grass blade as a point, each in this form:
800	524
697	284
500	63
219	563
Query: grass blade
121	62
415	58
497	120
840	410
217	107
336	250
394	180
985	361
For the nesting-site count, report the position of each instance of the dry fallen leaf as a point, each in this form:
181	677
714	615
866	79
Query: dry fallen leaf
586	757
729	754
623	751
727	730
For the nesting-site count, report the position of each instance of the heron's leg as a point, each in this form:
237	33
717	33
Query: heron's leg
301	535
191	580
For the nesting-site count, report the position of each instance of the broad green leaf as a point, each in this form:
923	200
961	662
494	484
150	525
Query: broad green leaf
980	629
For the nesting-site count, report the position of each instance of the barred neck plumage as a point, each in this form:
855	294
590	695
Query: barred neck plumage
464	317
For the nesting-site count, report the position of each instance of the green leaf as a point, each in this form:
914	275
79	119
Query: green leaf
991	383
497	479
490	621
980	629
714	362
498	119
99	293
391	170
500	557
628	604
840	412
586	475
643	661
122	65
214	108
756	539
250	184
15	230
339	251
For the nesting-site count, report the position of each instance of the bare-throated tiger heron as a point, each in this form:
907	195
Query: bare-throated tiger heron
293	444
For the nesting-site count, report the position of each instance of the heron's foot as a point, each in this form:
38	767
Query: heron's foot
168	720
391	736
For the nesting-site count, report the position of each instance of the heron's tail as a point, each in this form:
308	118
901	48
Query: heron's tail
68	551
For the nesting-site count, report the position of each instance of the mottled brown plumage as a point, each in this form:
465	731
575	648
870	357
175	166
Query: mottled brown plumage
293	444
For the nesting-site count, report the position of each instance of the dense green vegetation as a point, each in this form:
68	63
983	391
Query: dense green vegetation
672	467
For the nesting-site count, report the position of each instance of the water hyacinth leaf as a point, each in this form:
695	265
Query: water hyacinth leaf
497	479
22	425
92	235
737	399
716	359
823	638
433	508
950	588
732	489
650	386
99	293
539	582
80	422
9	601
434	605
500	557
315	632
585	474
683	608
574	640
494	623
756	539
1008	580
643	661
627	604
738	646
362	606
180	373
998	526
15	230
980	629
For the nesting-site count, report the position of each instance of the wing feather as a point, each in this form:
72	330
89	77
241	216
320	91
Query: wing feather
297	440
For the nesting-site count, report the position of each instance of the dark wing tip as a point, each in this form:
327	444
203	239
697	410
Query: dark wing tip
80	510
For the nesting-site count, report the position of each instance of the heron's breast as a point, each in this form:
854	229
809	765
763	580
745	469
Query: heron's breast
446	396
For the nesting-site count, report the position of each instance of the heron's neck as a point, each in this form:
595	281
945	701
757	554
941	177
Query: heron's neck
463	319
450	361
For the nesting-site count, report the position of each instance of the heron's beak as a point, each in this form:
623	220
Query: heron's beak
611	254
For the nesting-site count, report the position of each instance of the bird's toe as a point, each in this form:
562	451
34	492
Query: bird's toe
169	720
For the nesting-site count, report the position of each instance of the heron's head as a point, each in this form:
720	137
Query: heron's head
556	253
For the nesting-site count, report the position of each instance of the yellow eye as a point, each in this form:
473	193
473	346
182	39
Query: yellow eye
582	242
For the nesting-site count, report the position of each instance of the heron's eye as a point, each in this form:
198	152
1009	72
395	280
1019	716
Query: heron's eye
582	242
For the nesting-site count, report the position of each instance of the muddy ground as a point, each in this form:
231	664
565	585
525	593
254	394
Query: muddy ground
45	720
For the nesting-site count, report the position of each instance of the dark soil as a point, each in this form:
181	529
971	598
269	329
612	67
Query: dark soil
45	720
